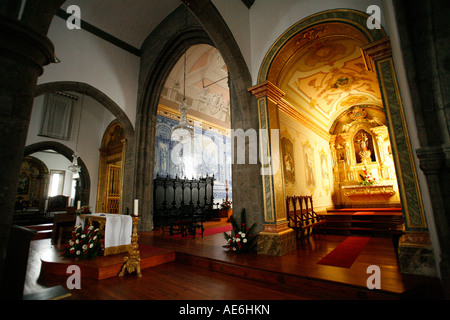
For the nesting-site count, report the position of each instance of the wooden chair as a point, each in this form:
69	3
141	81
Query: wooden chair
302	217
163	220
63	222
187	220
316	222
296	217
57	204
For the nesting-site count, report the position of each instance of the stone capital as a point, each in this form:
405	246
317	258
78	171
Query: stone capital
22	44
431	159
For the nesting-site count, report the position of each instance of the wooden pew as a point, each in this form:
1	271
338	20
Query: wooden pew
302	217
187	220
315	221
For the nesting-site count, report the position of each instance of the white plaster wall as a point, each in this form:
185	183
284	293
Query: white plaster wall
300	135
56	161
89	59
94	120
237	17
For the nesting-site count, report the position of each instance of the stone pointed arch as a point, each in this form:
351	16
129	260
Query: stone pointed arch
122	118
200	24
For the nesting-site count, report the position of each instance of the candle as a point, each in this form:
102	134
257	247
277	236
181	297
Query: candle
78	205
135	207
46	206
226	182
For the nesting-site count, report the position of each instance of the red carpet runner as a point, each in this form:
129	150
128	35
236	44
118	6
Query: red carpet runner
345	253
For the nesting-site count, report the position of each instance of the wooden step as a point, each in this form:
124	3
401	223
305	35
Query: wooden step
363	221
353	210
305	286
102	267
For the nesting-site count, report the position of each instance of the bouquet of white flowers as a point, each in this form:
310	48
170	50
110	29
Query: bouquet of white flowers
241	238
84	243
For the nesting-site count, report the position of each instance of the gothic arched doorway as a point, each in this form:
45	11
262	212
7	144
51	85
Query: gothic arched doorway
200	24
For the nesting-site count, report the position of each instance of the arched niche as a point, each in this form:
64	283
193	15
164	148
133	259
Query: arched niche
200	24
33	185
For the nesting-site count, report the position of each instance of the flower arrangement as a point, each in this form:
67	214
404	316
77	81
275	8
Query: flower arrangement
226	205
84	243
367	179
84	210
241	238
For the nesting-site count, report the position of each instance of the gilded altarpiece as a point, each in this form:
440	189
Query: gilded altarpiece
362	146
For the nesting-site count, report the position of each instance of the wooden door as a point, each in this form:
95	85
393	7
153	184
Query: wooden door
113	189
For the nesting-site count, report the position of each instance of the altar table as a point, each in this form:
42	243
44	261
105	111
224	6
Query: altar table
116	229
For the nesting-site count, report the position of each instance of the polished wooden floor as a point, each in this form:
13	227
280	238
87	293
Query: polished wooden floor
203	270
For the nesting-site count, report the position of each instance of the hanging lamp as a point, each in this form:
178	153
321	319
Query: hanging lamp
74	167
184	106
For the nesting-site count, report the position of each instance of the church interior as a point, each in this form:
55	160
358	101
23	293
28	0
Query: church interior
185	150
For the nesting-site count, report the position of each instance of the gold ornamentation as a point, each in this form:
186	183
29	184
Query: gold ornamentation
133	261
311	34
365	192
357	113
375	51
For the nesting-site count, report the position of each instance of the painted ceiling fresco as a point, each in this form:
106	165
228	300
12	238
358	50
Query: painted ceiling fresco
206	86
327	77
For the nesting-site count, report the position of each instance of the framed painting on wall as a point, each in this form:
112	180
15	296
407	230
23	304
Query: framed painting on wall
287	149
308	156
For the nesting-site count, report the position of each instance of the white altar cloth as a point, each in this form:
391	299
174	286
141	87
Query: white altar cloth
118	228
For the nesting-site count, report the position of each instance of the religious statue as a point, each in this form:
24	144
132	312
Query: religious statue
363	145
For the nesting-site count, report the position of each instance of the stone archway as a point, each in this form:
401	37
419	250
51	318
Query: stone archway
85	180
109	104
377	56
200	24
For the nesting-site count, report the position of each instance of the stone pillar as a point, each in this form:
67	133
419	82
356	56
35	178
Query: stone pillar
415	250
432	162
277	238
24	49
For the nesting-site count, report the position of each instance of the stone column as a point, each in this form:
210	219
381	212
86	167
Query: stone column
432	162
277	238
24	49
415	250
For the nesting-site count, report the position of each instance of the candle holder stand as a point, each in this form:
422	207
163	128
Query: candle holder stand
132	263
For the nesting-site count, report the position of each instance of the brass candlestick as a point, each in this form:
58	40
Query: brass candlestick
132	262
